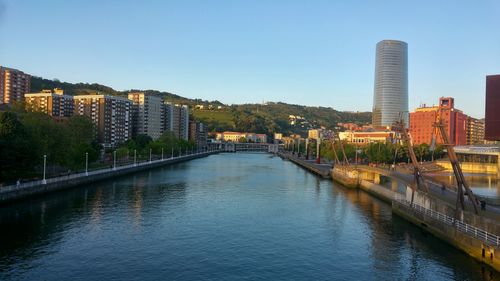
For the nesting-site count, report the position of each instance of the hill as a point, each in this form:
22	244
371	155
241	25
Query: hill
260	118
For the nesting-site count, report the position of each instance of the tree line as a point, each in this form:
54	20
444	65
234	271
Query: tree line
376	152
25	137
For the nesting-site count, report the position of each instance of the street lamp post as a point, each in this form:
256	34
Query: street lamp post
150	150
135	157
44	181
162	153
86	163
114	160
172	152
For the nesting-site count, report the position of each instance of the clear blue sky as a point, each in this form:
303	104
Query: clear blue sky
304	52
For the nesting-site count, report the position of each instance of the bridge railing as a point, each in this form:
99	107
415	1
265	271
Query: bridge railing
480	234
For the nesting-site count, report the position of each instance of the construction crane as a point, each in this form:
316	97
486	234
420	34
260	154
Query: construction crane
462	186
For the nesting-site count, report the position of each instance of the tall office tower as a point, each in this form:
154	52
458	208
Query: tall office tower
492	116
111	116
390	99
14	84
52	102
147	114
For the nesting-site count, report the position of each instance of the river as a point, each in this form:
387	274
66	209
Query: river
223	217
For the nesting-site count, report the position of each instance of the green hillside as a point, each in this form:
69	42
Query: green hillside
259	118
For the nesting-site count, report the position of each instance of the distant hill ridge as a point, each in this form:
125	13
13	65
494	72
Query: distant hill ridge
259	118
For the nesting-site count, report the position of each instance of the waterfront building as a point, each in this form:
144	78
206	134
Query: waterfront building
167	117
14	84
52	102
390	99
262	138
278	136
492	117
179	120
483	159
364	138
147	112
238	136
423	119
111	116
198	133
314	134
475	131
231	136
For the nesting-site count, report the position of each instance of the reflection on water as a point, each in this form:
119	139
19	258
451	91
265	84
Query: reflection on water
229	216
482	184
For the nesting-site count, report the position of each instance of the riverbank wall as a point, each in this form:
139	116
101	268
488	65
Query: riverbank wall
12	193
484	246
322	170
476	235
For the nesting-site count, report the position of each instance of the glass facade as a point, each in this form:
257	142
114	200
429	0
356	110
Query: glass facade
390	99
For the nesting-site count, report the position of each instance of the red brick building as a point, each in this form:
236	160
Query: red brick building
422	120
492	117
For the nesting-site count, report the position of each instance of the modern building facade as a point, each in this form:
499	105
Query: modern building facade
390	99
423	119
492	116
14	84
111	116
180	121
475	131
364	138
52	102
167	117
147	115
198	134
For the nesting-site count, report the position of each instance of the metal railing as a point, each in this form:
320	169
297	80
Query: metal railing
490	200
480	234
29	184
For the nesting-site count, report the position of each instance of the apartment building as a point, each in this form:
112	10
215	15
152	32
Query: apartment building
147	115
475	131
179	121
454	120
198	133
14	84
111	116
52	102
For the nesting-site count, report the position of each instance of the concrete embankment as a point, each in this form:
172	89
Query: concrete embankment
476	235
478	243
36	188
322	170
349	177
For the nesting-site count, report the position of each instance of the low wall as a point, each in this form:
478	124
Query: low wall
325	173
378	191
31	189
483	250
346	178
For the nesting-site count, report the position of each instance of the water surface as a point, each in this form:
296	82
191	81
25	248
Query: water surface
224	217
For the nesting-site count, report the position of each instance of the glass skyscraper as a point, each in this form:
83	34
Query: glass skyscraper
390	99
